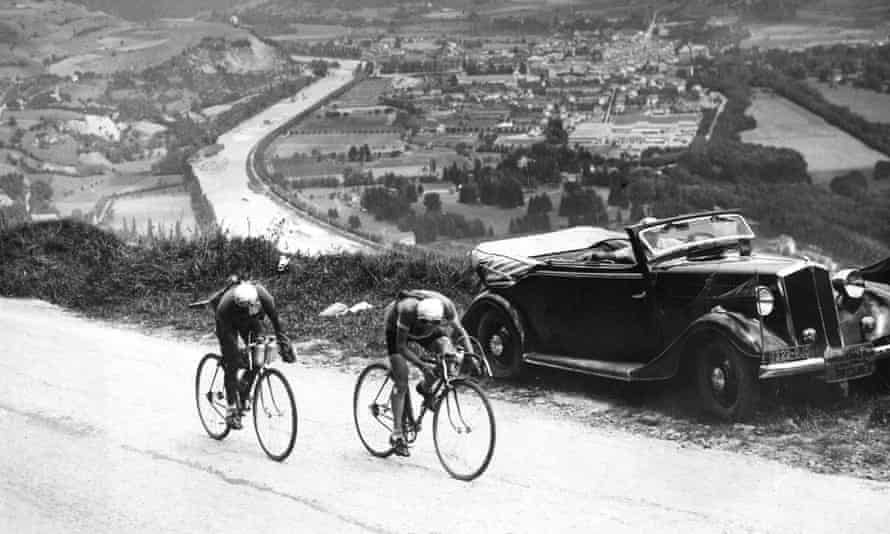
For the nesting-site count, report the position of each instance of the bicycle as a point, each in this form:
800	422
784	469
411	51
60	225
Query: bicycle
269	396
459	407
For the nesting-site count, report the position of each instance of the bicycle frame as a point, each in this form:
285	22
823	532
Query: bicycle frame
411	425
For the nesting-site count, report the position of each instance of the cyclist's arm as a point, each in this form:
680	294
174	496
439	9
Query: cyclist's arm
454	321
464	336
271	311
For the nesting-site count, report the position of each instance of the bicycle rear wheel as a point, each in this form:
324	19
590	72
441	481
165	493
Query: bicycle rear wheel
464	430
210	394
372	411
274	414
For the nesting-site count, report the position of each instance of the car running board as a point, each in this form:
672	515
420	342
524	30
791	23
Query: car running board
609	369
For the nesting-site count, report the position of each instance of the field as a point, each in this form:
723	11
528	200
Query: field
313	32
82	193
414	163
337	142
827	150
496	218
871	105
163	209
797	36
365	93
357	120
136	47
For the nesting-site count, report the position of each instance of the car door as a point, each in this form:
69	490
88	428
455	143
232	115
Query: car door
600	311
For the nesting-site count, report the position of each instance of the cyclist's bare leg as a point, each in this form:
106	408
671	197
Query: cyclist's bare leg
399	370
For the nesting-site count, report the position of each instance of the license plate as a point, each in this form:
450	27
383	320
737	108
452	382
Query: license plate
854	362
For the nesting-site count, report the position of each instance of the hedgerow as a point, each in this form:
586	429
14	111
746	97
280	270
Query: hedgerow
81	267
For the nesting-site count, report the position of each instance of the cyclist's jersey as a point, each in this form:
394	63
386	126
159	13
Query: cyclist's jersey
232	319
402	314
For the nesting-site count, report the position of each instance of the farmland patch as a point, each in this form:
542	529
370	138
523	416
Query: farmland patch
871	105
325	143
827	150
802	35
163	210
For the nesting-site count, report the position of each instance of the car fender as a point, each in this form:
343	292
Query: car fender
744	333
488	299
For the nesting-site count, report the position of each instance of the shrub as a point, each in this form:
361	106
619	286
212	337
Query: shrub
852	184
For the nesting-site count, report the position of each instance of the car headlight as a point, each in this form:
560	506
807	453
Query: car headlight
765	300
850	283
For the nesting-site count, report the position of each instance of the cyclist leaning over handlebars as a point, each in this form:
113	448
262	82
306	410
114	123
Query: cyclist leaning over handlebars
429	319
240	309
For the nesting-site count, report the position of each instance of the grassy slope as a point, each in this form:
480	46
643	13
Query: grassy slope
80	267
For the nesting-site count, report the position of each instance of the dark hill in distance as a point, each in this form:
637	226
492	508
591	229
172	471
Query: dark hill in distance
143	10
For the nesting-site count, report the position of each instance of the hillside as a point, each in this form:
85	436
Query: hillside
141	10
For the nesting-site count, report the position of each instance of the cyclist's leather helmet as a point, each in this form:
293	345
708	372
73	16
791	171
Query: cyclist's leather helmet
430	309
246	296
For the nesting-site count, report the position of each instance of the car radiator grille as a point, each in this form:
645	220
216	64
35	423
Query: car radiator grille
811	304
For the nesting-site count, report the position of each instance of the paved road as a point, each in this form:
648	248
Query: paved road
100	434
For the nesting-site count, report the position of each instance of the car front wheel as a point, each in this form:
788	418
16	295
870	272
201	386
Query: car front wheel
726	382
501	342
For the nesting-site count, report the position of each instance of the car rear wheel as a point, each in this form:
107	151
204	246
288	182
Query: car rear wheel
726	382
501	342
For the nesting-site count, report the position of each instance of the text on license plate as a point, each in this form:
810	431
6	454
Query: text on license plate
857	361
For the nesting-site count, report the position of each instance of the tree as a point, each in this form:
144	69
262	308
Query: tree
354	222
852	184
319	67
13	184
41	194
433	202
469	194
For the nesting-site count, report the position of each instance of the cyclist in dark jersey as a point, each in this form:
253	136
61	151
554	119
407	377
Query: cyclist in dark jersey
429	319
240	310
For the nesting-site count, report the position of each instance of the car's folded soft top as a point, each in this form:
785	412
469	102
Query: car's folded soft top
504	261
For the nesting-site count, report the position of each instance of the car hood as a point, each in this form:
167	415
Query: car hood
732	264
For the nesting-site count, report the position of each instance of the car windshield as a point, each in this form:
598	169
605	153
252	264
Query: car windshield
671	236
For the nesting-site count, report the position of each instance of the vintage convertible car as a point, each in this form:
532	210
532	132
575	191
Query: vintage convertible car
673	294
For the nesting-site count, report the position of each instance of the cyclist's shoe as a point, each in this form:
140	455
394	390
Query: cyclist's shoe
233	419
427	395
399	445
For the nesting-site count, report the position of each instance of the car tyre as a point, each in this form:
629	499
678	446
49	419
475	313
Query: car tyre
726	381
501	342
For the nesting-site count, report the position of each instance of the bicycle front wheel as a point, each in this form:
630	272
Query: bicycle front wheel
463	430
372	411
274	414
210	394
